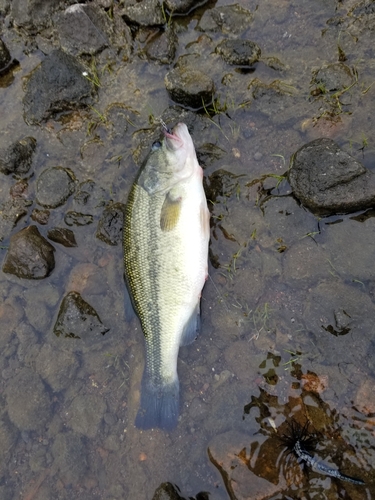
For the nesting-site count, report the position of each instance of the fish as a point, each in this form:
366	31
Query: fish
165	240
301	444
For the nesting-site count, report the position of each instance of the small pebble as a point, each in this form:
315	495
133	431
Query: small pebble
258	156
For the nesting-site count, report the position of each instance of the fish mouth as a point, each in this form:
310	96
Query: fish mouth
172	137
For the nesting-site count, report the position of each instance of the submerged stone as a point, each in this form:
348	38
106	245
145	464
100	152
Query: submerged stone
54	186
63	236
333	77
73	218
78	320
30	256
328	181
111	223
17	158
189	87
162	47
28	403
240	52
232	19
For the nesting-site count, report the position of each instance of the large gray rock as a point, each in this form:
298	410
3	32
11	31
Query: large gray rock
327	180
30	256
56	85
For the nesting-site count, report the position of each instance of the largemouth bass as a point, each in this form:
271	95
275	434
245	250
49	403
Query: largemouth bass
166	234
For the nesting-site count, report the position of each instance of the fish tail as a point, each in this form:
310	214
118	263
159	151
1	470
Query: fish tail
159	405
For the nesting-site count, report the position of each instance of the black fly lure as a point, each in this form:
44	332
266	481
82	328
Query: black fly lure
301	444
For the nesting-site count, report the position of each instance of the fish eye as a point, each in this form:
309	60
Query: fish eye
156	145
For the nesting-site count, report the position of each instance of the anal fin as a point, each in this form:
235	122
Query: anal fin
192	327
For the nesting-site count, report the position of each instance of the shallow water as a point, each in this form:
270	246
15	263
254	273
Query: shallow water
282	283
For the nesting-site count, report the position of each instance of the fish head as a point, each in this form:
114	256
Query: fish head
170	161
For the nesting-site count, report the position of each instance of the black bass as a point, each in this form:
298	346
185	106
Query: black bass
166	234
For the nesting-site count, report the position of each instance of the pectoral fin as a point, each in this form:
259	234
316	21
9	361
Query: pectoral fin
170	212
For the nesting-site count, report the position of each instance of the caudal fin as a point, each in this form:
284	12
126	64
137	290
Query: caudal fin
159	405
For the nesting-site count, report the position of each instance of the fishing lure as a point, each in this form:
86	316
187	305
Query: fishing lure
301	444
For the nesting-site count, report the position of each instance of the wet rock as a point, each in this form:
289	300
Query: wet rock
82	29
28	403
73	218
33	14
63	236
232	19
40	216
54	186
166	491
11	211
162	48
56	85
86	414
30	256
111	223
57	367
17	158
189	87
145	13
70	457
327	180
240	52
333	77
183	6
78	320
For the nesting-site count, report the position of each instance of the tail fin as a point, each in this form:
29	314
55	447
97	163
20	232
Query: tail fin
159	405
